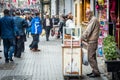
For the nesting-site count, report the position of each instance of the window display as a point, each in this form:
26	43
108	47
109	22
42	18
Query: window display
101	7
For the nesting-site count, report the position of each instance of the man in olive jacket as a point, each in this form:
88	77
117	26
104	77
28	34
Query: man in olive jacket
91	35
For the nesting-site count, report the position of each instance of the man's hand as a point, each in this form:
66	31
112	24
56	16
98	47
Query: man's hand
85	23
81	40
18	37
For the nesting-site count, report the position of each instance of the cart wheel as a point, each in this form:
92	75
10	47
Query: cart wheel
79	78
66	78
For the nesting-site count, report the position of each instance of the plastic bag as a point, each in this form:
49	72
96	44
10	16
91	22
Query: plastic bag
52	32
85	57
43	32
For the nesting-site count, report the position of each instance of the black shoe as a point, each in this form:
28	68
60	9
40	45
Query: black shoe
47	40
89	74
0	51
17	56
94	75
14	55
11	60
6	61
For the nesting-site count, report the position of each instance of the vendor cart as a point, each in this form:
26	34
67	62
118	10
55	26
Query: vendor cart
71	53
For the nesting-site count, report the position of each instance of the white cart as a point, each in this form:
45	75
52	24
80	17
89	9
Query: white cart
71	53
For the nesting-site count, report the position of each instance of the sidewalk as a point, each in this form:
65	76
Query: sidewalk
44	65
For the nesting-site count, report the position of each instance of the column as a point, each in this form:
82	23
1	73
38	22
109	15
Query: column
92	5
57	7
79	12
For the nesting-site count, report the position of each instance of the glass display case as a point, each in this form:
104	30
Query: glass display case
71	36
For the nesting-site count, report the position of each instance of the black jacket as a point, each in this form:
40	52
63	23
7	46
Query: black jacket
44	23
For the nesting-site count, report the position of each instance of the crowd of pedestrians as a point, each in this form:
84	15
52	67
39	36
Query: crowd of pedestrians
12	32
16	27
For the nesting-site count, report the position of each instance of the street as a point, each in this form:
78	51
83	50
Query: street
44	65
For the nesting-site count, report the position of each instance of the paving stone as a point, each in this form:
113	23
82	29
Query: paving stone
43	65
18	77
8	66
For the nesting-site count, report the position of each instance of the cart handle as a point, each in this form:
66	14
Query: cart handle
84	43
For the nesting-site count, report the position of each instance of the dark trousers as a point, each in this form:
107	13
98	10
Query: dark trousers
35	41
47	32
9	47
92	47
19	46
0	40
27	33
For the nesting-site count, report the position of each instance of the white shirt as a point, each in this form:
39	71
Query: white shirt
47	22
70	23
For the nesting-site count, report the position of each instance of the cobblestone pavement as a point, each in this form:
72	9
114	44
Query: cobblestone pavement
44	65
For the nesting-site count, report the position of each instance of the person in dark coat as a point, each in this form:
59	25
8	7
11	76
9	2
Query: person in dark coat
47	24
21	24
56	21
61	25
8	33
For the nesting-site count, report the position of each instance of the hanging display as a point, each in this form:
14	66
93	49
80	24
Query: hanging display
101	7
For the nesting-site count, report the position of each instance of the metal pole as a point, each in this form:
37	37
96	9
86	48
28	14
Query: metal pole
41	1
64	7
71	5
107	10
50	7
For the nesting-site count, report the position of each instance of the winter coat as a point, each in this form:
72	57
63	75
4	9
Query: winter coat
7	28
21	24
44	23
36	27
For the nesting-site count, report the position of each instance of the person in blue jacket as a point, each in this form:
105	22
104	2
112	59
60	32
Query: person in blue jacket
36	29
8	32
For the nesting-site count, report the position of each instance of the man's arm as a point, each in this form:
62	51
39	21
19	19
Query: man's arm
25	24
43	23
85	23
16	30
88	31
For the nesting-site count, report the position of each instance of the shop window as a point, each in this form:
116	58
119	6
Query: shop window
86	6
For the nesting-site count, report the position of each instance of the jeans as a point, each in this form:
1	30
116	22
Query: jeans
9	47
35	41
